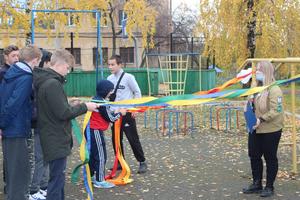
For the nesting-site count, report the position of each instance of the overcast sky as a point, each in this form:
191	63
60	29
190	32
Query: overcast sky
191	3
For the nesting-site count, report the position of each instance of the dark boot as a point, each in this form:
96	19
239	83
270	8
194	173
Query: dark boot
143	167
267	192
255	187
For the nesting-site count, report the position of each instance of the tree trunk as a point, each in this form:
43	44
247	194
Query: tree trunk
251	36
113	29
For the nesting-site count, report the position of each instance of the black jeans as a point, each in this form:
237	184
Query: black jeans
17	167
129	127
266	145
56	184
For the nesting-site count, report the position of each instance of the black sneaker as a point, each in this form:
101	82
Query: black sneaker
253	188
143	168
267	192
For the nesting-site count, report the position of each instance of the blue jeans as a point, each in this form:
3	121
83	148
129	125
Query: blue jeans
56	182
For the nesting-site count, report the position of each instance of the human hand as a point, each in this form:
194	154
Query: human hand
245	108
133	115
74	101
257	124
123	111
91	106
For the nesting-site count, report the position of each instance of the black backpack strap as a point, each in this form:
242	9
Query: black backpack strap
113	96
117	86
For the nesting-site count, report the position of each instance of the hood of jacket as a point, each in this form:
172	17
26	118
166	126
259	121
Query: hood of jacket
103	88
16	70
40	75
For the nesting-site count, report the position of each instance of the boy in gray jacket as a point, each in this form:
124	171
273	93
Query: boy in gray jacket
127	89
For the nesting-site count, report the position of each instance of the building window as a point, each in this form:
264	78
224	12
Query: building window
9	22
104	19
77	55
127	54
72	19
1	57
122	16
45	24
104	56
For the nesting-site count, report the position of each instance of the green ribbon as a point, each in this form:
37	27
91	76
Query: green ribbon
78	135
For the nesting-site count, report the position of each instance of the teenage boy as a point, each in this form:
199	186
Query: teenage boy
15	122
11	56
54	118
127	89
40	177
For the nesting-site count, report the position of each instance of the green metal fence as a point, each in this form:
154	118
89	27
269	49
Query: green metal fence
83	83
208	80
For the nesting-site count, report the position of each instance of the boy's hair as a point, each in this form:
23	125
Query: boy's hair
29	53
7	50
45	58
62	55
117	58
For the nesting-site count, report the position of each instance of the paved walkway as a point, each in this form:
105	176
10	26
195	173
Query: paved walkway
212	166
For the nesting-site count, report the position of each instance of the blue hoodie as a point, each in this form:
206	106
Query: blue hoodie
15	101
103	88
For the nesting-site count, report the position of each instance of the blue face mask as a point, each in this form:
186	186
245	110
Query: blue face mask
260	77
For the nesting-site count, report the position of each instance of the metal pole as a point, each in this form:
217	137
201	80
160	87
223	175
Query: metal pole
72	48
294	134
200	73
171	34
32	27
99	48
57	40
192	52
136	51
253	83
171	42
148	74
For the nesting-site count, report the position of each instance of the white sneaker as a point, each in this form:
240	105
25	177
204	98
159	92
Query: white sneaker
36	196
103	184
43	192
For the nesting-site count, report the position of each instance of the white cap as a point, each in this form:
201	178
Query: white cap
243	73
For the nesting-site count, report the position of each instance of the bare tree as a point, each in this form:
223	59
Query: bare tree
184	21
163	25
113	15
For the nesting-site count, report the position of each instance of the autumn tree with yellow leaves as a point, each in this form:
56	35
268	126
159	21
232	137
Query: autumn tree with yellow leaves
15	19
240	29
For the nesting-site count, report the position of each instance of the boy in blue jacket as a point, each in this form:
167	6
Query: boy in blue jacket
99	122
15	122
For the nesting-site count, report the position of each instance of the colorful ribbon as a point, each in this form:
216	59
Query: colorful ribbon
143	104
124	177
84	155
193	99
